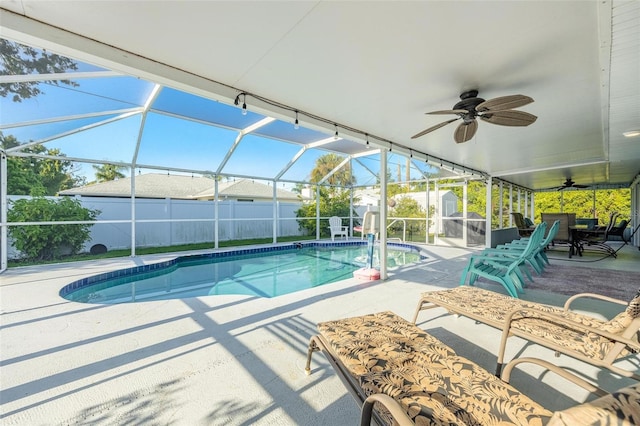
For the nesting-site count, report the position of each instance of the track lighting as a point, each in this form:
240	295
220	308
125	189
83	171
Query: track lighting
336	136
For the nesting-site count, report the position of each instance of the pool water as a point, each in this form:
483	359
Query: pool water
267	274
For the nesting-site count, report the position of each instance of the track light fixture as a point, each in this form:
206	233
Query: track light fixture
336	136
244	102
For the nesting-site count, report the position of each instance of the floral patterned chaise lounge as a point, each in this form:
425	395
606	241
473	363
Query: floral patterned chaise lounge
404	376
598	342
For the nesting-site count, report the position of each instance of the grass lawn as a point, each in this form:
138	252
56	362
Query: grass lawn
156	250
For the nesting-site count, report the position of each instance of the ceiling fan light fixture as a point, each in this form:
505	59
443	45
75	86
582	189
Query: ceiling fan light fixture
498	111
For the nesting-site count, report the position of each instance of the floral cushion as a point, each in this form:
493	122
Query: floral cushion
621	321
493	308
618	408
387	354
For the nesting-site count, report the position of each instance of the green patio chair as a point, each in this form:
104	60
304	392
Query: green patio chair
503	270
515	249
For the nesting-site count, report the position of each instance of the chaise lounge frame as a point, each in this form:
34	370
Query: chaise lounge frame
525	319
385	346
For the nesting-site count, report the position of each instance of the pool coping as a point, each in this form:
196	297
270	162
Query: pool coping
175	261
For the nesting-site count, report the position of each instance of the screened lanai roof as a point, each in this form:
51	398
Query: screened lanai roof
107	117
577	59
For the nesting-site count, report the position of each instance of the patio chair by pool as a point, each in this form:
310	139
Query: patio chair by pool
504	270
370	224
597	239
618	230
401	375
523	228
596	341
336	228
538	258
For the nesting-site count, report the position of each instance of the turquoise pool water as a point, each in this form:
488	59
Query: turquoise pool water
258	272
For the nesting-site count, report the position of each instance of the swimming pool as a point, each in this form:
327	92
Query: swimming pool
262	272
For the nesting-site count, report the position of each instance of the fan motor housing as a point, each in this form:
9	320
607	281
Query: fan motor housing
469	101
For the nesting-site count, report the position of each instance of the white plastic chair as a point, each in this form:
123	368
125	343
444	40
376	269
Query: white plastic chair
370	224
335	225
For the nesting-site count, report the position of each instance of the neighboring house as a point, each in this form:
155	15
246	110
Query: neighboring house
446	204
447	200
158	185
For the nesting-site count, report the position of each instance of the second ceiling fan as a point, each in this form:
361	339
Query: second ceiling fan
495	111
569	183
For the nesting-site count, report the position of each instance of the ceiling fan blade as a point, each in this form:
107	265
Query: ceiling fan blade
436	127
448	111
504	102
465	131
509	118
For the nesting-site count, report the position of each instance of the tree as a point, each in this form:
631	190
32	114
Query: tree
108	172
18	59
31	175
325	164
581	202
332	203
46	242
407	207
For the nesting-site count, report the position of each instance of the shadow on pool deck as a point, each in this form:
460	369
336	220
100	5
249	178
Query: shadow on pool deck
218	359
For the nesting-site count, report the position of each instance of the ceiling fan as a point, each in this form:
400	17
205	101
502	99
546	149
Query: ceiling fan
495	111
570	184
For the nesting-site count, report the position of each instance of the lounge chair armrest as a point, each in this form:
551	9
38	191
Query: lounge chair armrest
500	262
592	296
504	251
506	374
520	313
397	412
505	258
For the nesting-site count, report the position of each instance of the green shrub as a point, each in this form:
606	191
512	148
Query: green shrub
333	202
46	242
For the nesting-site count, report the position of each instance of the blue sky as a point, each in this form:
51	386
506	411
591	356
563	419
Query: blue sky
168	140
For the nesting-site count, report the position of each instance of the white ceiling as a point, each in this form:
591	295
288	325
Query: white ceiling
378	66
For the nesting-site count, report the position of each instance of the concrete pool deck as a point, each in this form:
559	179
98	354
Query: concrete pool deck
222	360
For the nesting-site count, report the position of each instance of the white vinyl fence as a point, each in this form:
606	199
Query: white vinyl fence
165	222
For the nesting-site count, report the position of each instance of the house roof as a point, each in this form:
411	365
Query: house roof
158	185
247	188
